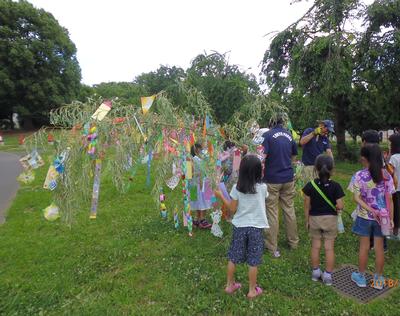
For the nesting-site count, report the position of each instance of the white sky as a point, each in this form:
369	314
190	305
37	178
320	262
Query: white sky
120	39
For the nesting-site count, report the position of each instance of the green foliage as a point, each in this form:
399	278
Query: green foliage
165	79
126	92
223	85
38	65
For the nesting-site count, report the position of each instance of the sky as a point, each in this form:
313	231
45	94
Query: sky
117	40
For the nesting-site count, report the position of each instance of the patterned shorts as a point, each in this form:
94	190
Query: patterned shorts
247	245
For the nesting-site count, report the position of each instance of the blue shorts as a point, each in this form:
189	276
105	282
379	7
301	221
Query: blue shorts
364	227
247	246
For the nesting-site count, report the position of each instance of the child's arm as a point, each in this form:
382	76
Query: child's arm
231	205
357	198
307	204
339	204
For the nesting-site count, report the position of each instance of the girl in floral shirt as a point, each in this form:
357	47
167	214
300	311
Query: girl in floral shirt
369	186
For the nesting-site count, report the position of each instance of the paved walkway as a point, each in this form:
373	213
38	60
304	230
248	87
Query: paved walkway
10	168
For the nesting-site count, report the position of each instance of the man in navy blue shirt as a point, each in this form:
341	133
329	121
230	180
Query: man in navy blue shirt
315	142
279	150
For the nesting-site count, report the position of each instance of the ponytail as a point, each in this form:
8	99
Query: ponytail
324	167
373	154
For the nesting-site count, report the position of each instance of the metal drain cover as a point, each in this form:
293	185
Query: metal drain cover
343	284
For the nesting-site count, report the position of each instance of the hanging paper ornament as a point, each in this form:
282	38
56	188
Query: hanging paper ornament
176	219
32	160
96	189
26	177
102	110
215	228
173	182
51	213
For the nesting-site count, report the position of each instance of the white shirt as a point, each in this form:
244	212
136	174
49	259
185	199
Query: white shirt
251	207
395	162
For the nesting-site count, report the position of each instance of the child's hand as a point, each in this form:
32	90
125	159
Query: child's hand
218	193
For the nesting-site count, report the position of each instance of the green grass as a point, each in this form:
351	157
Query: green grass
130	262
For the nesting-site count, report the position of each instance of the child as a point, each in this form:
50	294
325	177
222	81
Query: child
321	216
394	162
201	205
369	187
249	222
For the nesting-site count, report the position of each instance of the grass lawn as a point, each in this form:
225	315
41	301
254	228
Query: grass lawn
130	262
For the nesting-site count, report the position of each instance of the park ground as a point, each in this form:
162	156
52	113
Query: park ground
131	262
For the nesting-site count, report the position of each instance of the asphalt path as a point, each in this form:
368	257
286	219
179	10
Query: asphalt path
10	168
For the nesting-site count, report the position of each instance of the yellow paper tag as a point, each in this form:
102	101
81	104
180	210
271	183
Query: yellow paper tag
189	170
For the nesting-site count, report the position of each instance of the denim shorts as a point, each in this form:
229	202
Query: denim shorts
364	227
247	245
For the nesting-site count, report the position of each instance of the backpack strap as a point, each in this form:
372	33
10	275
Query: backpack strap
322	195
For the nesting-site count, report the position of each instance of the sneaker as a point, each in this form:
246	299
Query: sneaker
204	224
327	278
378	282
316	274
359	279
196	223
276	254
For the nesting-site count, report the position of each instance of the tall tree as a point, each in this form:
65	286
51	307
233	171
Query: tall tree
311	63
376	103
224	85
38	65
128	92
166	79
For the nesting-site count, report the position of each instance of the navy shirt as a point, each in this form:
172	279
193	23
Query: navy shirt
279	147
316	146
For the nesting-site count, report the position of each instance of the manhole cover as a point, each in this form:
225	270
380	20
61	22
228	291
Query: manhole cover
343	284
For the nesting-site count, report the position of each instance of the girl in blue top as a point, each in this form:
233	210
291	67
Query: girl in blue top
249	222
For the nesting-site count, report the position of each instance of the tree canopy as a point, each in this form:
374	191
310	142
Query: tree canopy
38	65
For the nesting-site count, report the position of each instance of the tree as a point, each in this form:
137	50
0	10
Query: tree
165	79
376	102
127	92
224	86
311	63
38	65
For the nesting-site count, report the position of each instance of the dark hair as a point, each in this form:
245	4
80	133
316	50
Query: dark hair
249	174
370	136
373	154
228	144
394	143
194	148
324	166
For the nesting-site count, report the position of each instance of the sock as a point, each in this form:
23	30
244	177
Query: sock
316	269
328	272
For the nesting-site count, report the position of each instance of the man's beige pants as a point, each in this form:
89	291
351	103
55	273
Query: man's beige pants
283	195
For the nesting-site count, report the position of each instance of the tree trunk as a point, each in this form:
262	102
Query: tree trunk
340	106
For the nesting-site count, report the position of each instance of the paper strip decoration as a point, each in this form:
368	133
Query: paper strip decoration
173	182
189	170
32	160
96	189
225	193
51	179
236	161
102	111
215	228
147	102
148	167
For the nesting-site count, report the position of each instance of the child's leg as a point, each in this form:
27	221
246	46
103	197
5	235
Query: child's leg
315	250
230	275
329	254
252	281
379	255
200	215
363	253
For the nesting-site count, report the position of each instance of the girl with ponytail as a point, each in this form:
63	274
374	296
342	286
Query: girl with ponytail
323	199
370	187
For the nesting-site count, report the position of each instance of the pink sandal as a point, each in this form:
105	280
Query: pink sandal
258	293
233	288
